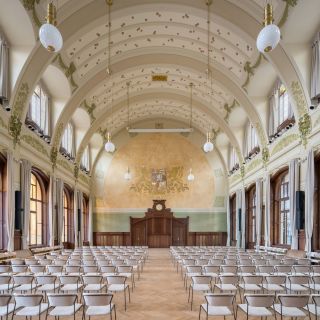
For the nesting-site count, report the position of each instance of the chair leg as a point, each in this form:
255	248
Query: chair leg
125	300
200	312
115	313
191	298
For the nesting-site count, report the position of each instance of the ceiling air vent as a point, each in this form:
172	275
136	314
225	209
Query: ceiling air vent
159	77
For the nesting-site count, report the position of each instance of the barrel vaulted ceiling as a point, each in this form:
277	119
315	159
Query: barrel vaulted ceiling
158	37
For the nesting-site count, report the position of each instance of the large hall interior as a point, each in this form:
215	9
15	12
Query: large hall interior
159	159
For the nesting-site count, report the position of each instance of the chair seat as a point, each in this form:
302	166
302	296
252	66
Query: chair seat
33	311
25	287
313	309
315	286
65	311
99	310
94	287
273	287
212	274
117	287
250	287
48	287
201	287
255	311
126	274
71	287
289	311
243	274
226	287
108	274
4	309
216	311
297	287
6	287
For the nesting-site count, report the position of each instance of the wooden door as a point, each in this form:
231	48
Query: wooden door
179	232
138	232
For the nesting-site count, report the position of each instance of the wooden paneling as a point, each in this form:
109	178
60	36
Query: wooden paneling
207	239
111	239
17	240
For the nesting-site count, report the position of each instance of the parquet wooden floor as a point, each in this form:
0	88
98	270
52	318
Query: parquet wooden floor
159	294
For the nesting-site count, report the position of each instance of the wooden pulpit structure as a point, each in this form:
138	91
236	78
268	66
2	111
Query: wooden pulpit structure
159	228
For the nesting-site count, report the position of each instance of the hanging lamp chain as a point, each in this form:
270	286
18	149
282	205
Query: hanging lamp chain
191	106
128	103
109	4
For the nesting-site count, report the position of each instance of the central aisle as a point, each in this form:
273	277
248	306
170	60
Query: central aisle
159	294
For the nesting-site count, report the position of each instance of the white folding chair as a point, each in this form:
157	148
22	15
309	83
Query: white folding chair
298	284
314	308
24	284
47	283
118	284
6	284
274	284
70	284
199	283
29	305
93	283
55	270
6	307
292	305
98	304
126	271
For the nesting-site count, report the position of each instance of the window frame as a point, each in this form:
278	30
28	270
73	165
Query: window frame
68	221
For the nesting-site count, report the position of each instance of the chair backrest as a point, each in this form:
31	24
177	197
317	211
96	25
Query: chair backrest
229	269
4	299
283	268
316	299
28	300
69	279
19	268
288	261
298	279
116	280
229	279
37	268
293	300
259	300
216	262
5	268
61	300
97	299
124	269
108	269
316	269
248	269
72	269
27	279
273	279
220	300
46	279
230	262
5	279
211	269
300	269
17	261
55	269
201	279
315	279
265	269
194	269
87	279
253	280
87	269
202	262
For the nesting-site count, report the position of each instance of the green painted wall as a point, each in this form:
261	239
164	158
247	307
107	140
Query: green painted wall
198	222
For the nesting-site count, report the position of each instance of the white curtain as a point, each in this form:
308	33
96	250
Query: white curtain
52	204
243	218
60	210
272	108
4	70
25	192
309	194
238	206
315	67
90	222
10	201
293	187
258	211
75	215
228	221
267	201
81	222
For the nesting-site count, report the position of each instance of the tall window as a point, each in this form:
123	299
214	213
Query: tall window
67	142
36	212
285	223
234	161
251	217
233	226
85	217
252	139
284	107
39	109
3	240
4	71
67	217
85	160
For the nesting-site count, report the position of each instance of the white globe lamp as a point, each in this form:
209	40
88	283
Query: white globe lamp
190	175
50	37
270	35
109	146
208	146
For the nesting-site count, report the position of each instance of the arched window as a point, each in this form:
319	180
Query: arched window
233	219
251	217
68	234
85	160
67	142
38	115
36	212
280	111
280	209
3	240
233	160
85	217
4	71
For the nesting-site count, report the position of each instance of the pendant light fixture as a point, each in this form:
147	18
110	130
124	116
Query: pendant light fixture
49	35
109	4
109	146
127	175
269	36
190	176
208	146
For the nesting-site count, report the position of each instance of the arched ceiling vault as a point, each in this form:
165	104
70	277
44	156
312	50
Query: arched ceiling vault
147	32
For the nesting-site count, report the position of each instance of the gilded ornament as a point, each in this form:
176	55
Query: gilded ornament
289	3
89	109
284	142
305	128
36	143
15	128
229	109
76	171
265	155
249	69
253	164
299	98
30	6
242	171
53	156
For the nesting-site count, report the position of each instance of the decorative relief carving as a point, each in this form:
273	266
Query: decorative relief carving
36	144
218	173
265	155
76	171
174	182
30	6
55	145
299	98
234	178
64	164
284	143
85	179
249	69
229	109
289	3
253	164
89	109
305	128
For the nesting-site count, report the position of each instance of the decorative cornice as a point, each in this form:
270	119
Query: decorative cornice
36	144
234	178
253	164
284	142
64	164
68	71
85	179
